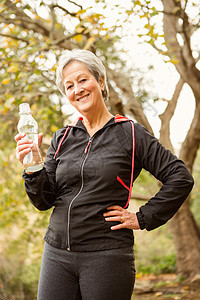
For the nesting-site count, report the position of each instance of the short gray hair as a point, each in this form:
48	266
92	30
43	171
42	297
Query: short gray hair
92	63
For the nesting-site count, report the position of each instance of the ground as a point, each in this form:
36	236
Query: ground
164	287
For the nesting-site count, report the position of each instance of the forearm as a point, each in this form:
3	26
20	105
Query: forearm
160	208
39	189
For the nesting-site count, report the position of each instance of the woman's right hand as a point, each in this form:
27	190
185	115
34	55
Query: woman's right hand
24	145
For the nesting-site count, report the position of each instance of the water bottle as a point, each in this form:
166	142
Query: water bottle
33	160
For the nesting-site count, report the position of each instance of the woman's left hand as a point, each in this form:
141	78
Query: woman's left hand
127	219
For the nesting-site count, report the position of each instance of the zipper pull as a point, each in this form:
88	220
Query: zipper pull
86	148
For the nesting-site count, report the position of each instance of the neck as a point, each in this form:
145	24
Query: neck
97	121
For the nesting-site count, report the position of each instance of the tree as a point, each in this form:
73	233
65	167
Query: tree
175	44
31	45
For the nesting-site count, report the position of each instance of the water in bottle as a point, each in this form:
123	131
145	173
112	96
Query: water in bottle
33	160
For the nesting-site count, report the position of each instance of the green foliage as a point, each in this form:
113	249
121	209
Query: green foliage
21	231
159	265
145	184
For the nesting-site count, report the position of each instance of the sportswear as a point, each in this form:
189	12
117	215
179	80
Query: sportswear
84	175
99	275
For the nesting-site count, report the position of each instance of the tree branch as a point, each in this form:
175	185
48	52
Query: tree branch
63	9
25	20
167	115
65	37
15	37
191	143
115	103
133	107
53	17
186	63
75	4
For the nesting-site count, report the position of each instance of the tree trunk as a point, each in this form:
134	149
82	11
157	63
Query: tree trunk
187	243
184	229
185	232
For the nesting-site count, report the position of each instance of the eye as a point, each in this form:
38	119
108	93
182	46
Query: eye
83	80
68	87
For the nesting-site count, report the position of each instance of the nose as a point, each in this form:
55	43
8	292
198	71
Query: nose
78	89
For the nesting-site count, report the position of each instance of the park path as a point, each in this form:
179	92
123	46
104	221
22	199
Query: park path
164	287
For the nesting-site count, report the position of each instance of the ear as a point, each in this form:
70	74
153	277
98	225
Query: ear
102	83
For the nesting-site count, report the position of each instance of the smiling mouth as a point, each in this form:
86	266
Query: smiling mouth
83	98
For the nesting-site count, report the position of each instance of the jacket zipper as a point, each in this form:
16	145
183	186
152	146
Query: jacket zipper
82	183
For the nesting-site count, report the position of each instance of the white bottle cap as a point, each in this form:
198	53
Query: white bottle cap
24	108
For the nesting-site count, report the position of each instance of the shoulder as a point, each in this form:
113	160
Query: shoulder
130	129
57	135
140	131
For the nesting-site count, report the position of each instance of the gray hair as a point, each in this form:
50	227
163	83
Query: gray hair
92	63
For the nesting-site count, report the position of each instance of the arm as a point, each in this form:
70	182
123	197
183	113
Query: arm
40	186
167	168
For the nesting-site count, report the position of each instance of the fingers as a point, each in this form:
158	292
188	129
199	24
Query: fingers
114	219
118	214
23	150
19	136
116	207
116	227
20	155
113	213
40	136
24	146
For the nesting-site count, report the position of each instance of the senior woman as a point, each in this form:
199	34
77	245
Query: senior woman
88	175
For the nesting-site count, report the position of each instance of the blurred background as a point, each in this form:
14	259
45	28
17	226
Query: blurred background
151	50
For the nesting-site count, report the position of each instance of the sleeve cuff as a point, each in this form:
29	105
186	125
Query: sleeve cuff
30	176
141	221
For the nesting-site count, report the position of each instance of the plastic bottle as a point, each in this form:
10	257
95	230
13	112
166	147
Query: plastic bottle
33	160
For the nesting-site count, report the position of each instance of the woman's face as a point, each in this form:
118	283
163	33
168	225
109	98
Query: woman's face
82	89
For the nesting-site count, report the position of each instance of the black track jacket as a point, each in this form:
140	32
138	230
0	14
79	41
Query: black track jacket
84	175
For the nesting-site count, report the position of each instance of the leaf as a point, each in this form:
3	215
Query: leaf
13	69
27	6
78	38
9	101
174	61
37	72
89	43
5	110
6	81
144	16
80	12
23	57
80	29
54	128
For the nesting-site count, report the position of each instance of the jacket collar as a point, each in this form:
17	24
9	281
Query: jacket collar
116	119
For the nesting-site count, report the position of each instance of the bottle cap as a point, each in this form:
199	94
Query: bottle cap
24	108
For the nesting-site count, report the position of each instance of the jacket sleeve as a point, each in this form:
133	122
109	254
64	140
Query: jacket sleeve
41	186
177	181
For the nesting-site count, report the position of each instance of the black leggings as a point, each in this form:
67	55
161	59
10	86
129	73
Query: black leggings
98	275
